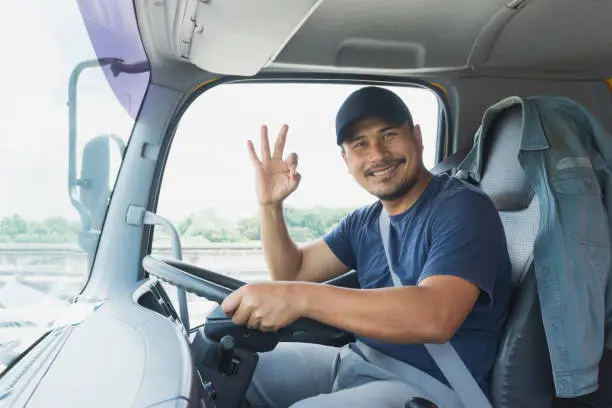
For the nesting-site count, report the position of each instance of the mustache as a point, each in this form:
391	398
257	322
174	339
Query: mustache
382	165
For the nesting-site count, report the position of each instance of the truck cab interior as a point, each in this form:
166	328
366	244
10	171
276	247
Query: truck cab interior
137	323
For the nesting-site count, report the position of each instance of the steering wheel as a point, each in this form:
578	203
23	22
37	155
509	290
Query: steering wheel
216	287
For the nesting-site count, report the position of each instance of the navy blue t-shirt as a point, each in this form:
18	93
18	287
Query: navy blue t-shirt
452	229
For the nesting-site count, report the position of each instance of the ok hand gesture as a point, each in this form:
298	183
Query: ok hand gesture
276	178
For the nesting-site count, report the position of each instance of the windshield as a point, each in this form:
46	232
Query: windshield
65	122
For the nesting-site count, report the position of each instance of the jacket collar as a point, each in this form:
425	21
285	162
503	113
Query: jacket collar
532	134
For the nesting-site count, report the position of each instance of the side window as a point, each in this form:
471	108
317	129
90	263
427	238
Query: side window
208	187
59	159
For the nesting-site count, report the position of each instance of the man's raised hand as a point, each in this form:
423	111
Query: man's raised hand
276	178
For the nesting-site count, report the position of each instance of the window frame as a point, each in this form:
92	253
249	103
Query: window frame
444	119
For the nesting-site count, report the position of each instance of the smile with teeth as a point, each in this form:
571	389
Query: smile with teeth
384	171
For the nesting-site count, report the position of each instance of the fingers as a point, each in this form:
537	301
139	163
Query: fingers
254	321
267	327
295	178
242	315
253	154
235	306
231	303
279	145
292	160
265	144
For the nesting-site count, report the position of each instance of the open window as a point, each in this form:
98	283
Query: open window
208	188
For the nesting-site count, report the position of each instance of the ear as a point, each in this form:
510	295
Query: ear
416	132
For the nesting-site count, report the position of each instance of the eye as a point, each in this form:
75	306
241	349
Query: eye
359	145
389	134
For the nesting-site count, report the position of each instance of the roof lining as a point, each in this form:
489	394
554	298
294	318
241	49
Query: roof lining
486	40
475	62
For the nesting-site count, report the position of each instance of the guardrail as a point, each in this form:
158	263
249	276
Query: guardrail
186	244
50	262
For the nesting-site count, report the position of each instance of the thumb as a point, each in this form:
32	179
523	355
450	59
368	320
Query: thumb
231	303
295	178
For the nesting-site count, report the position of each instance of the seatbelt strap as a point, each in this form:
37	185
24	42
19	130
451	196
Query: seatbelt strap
459	377
452	161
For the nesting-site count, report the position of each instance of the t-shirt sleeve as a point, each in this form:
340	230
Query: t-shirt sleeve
341	240
468	241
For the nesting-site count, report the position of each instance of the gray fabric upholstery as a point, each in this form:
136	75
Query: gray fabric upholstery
521	228
522	376
503	179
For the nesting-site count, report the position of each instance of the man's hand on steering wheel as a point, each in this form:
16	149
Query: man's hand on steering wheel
278	306
267	306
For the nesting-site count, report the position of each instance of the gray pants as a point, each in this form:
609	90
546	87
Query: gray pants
299	375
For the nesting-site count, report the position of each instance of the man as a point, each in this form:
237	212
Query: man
447	245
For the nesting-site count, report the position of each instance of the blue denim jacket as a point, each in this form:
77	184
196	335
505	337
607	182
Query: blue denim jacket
567	156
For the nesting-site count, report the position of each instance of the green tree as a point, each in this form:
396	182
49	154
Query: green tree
11	226
185	224
302	234
250	228
319	220
208	225
51	230
303	224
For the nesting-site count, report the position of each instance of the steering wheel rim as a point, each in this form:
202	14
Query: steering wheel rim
164	270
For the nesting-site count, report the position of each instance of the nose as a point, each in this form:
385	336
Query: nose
378	151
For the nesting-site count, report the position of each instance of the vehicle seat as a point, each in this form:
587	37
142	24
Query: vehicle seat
522	375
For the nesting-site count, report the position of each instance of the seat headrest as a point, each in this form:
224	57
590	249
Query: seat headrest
503	178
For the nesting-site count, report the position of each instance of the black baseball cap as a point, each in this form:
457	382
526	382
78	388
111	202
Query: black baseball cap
371	101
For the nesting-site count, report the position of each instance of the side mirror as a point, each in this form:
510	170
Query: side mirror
93	188
90	192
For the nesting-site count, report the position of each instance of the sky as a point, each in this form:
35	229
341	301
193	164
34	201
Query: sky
33	109
208	167
209	164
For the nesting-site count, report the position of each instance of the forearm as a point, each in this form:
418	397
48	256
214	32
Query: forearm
397	315
282	256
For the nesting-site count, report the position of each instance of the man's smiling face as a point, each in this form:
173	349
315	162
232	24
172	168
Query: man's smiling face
384	158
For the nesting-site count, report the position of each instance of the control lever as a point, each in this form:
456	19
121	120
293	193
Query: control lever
226	348
218	325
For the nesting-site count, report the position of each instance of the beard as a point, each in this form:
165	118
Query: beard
400	191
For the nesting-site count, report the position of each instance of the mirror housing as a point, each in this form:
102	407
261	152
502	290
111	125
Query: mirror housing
90	192
93	188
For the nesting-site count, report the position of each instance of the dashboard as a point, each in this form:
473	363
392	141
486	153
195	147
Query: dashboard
134	351
131	352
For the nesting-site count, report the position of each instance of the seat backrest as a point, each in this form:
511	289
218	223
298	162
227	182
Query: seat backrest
522	376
